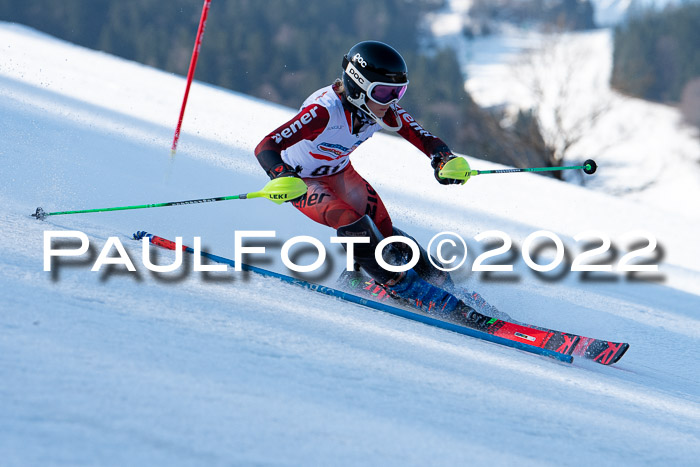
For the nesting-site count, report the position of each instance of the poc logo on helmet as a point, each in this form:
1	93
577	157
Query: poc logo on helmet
356	75
359	59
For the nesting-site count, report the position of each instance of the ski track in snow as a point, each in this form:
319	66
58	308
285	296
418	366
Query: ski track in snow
115	368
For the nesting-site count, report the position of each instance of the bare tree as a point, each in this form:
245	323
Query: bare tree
558	76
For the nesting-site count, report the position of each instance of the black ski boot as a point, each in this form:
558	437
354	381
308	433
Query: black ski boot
426	269
408	285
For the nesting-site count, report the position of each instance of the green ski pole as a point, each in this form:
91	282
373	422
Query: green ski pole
459	169
278	191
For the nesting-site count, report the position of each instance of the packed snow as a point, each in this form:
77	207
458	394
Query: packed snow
115	367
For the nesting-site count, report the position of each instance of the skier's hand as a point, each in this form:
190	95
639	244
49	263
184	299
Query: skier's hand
438	161
279	175
282	170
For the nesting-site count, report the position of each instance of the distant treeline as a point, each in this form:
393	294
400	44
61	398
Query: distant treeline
657	53
282	50
558	15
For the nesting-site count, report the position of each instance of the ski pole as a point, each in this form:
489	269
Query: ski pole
278	191
459	169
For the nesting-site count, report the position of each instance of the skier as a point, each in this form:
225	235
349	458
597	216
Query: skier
315	145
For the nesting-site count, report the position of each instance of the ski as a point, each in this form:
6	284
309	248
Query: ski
369	302
598	350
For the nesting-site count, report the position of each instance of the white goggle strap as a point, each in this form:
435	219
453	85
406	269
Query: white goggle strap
358	77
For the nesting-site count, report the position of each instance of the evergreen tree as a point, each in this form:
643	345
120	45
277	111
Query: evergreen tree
280	50
656	52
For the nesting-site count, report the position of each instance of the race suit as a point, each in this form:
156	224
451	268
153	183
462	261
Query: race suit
318	142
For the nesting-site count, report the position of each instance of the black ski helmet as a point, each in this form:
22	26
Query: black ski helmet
370	64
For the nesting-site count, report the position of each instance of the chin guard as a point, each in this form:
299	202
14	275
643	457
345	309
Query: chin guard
361	104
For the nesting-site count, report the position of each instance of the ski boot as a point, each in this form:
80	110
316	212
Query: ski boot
427	266
423	295
436	302
409	285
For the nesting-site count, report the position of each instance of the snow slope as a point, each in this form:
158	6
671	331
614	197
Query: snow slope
115	368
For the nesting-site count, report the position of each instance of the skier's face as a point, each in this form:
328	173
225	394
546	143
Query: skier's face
378	109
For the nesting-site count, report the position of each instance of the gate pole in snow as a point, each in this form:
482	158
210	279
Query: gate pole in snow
190	73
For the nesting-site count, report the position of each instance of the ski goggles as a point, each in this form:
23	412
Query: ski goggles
381	93
386	93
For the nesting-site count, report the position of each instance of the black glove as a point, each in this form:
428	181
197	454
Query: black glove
283	170
279	182
438	161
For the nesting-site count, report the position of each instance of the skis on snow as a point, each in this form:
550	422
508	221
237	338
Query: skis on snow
598	350
554	344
